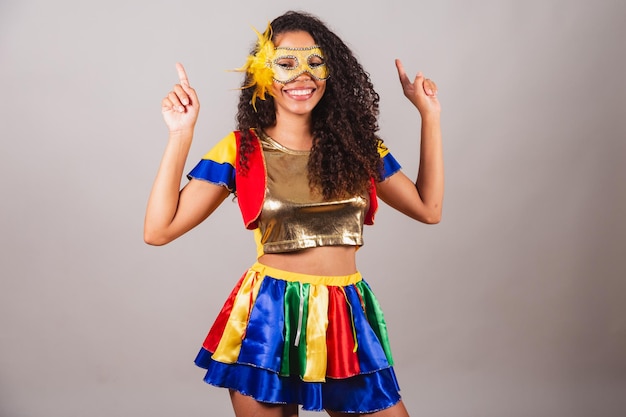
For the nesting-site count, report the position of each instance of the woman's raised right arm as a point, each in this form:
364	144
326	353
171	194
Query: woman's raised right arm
171	212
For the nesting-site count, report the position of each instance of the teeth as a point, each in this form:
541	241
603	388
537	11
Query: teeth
300	92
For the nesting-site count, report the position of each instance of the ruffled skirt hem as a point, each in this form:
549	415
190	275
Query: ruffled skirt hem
289	338
364	393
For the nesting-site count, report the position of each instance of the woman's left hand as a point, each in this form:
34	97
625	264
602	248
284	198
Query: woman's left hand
422	92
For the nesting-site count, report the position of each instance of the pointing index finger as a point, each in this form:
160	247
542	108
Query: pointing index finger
404	79
400	68
182	75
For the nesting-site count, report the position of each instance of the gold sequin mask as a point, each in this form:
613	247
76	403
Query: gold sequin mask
282	64
289	63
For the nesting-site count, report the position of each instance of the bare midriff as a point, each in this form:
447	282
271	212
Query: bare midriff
323	260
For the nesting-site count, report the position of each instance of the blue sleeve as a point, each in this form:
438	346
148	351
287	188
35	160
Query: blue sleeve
218	165
390	164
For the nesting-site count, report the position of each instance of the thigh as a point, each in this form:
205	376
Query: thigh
246	406
397	410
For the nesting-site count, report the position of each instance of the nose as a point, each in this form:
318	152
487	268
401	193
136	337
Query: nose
304	76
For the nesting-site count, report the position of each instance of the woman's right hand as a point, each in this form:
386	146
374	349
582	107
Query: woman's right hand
181	106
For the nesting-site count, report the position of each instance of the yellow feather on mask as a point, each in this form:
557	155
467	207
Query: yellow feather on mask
259	66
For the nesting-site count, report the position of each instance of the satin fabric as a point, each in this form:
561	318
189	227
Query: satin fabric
218	165
364	393
293	335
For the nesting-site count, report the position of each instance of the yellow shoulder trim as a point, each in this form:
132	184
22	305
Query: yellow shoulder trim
225	151
382	148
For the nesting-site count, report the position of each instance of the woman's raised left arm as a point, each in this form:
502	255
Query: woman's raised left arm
421	200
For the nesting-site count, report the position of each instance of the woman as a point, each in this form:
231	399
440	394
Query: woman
301	326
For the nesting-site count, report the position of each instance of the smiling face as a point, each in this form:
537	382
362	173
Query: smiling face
300	73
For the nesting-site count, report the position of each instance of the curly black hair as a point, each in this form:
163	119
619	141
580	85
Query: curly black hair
344	157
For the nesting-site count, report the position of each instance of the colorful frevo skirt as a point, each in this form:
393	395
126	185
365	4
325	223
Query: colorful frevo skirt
290	338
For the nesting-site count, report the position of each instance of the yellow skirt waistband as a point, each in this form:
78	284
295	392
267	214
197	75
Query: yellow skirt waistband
329	280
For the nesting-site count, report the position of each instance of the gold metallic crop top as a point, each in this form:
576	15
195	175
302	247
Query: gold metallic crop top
294	216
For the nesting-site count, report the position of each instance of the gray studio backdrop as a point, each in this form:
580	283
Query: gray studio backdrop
515	305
